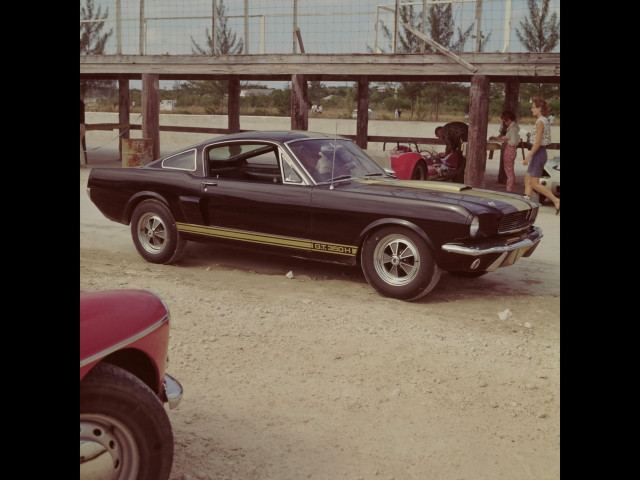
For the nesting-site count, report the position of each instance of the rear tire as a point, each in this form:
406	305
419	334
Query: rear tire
125	431
397	263
155	233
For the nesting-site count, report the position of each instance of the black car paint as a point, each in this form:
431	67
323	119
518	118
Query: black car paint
333	219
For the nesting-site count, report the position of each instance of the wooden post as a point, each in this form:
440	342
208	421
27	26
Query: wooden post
233	104
123	110
151	111
477	148
83	130
299	110
362	122
511	102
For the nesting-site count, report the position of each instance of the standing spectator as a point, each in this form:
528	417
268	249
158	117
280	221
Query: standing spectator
510	138
395	113
537	157
552	118
399	112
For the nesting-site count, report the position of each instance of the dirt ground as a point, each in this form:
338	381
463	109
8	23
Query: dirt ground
319	377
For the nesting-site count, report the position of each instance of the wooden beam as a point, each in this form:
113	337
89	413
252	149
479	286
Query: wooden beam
440	48
534	66
151	111
477	148
123	110
299	108
233	104
106	126
362	122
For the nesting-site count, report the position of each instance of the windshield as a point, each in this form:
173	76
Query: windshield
332	159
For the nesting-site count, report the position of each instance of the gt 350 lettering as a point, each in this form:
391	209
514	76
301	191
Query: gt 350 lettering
334	248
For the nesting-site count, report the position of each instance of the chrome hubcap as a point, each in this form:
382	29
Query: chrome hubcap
396	260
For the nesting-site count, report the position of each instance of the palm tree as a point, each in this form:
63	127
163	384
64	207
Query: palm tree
92	39
539	34
225	43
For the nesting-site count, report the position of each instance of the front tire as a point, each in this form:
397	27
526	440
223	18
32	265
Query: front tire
155	233
397	263
125	432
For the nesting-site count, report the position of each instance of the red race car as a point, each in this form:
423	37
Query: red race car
124	428
426	165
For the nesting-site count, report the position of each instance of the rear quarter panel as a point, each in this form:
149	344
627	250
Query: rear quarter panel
116	192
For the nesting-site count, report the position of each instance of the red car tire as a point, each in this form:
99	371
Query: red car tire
124	428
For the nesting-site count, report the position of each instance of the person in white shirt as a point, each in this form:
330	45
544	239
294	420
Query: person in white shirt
537	157
510	139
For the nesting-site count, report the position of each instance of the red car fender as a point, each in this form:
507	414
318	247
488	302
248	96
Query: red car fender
114	320
404	163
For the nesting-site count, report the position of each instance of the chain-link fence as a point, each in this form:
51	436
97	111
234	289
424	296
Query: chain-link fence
185	27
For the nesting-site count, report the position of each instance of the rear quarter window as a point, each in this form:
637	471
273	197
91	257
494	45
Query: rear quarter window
181	161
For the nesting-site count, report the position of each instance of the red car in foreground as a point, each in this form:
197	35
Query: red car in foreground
125	432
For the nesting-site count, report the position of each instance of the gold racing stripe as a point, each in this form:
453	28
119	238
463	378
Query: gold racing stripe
266	239
462	189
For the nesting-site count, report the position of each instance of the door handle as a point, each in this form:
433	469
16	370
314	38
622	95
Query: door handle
206	184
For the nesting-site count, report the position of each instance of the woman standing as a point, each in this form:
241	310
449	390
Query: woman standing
537	157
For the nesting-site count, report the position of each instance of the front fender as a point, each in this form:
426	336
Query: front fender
384	222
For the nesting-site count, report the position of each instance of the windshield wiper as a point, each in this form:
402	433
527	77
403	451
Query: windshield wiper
374	174
341	177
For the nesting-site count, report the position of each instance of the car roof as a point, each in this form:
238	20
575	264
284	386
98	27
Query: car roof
274	135
279	136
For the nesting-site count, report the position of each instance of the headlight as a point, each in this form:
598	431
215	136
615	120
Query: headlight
475	226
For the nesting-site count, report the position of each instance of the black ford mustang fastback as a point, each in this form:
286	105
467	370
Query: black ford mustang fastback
321	197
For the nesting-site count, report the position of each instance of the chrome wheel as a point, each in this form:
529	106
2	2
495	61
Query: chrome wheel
155	234
152	233
396	260
398	263
108	450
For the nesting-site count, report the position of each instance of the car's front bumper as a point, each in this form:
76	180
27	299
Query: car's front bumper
173	390
488	257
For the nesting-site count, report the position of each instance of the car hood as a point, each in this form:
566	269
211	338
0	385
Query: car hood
445	192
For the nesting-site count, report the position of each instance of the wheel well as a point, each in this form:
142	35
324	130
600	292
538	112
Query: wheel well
138	199
420	163
136	363
386	222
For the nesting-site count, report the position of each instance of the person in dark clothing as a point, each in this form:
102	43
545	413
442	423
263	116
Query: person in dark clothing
454	133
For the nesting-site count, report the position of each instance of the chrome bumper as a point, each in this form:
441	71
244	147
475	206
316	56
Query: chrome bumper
173	390
508	254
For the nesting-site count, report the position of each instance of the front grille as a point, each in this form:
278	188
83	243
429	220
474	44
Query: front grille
512	222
